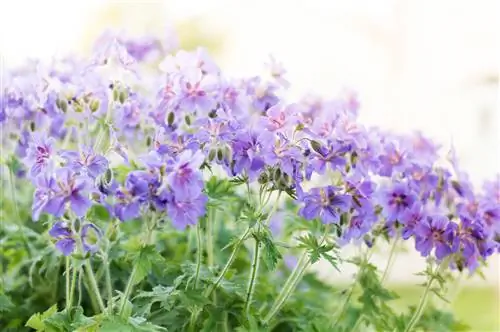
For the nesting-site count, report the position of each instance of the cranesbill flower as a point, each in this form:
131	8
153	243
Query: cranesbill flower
42	197
187	210
410	219
40	154
436	232
85	162
70	188
131	197
360	223
65	240
393	159
247	156
185	179
326	203
395	200
194	91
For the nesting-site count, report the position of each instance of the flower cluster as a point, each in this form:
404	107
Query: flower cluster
71	123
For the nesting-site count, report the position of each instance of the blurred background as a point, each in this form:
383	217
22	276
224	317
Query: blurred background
426	65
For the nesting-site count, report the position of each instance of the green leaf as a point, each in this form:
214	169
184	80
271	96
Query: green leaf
218	189
144	262
37	320
98	213
113	324
271	253
5	303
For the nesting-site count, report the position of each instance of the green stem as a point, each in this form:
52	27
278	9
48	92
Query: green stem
73	285
94	286
80	281
425	296
68	285
199	256
292	281
19	222
229	263
390	260
253	274
287	289
210	236
130	283
421	306
128	289
109	285
93	300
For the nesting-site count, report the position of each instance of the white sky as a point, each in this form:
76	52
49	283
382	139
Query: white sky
415	63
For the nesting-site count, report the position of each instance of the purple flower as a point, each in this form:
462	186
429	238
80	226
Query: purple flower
325	203
132	195
70	188
410	219
187	210
280	118
247	157
360	223
109	48
39	154
395	200
42	197
333	154
85	162
65	240
393	160
436	232
194	91
185	177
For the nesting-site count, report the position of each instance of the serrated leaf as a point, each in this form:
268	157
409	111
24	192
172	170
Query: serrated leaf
113	324
147	257
5	303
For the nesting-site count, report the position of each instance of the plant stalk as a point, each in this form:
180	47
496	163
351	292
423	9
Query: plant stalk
229	263
94	286
199	256
253	274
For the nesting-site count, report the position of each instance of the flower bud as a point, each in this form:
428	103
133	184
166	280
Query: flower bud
263	178
122	96
220	155
170	118
211	154
316	146
94	105
115	94
277	175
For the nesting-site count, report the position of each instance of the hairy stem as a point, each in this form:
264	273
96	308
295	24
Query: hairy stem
253	274
73	285
289	286
109	285
210	236
230	261
390	260
292	281
94	287
68	285
16	210
199	255
425	297
130	283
